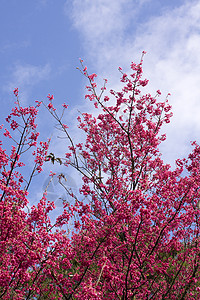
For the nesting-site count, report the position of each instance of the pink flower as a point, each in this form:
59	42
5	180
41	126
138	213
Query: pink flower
14	125
50	97
16	92
7	133
158	92
106	98
50	105
92	76
65	105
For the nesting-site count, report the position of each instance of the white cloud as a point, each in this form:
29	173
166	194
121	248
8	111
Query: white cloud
173	64
6	47
113	36
29	74
25	77
90	17
102	24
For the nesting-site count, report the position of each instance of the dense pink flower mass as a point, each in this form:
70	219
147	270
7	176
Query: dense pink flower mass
131	233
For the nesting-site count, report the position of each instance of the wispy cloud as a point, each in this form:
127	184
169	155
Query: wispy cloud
113	35
5	47
26	76
102	25
29	74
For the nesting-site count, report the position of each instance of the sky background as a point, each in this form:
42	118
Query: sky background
42	40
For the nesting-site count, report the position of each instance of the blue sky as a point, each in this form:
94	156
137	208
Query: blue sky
42	41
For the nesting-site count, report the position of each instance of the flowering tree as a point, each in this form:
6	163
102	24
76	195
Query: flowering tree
136	225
